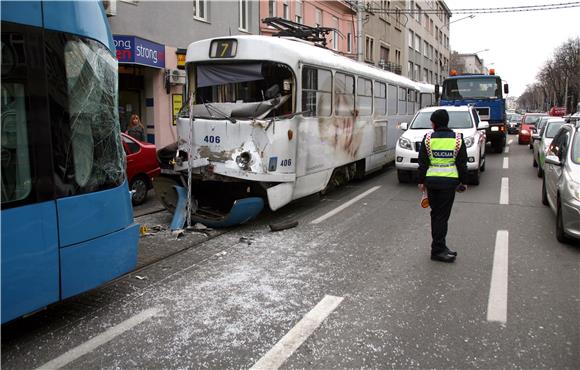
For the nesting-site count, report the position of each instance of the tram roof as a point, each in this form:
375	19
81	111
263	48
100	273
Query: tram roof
292	52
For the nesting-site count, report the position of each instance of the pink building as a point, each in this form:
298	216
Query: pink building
336	14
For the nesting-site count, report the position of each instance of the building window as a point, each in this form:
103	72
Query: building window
335	33
410	71
425	74
199	9
398	57
286	12
298	11
349	42
418	43
243	9
318	17
384	54
369	48
417	72
425	49
411	37
418	13
271	8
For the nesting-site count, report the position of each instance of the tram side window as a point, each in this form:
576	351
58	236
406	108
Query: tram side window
16	179
410	101
380	99
364	96
88	154
402	100
316	92
392	100
343	95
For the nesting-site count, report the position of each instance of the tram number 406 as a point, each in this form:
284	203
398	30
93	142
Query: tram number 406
286	163
212	139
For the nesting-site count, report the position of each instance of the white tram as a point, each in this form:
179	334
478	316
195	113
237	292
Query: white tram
280	119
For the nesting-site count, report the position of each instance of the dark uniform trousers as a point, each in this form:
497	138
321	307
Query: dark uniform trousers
441	202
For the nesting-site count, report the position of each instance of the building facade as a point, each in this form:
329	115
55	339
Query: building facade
337	14
150	37
427	53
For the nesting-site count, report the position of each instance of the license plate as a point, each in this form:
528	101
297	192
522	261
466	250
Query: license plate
494	128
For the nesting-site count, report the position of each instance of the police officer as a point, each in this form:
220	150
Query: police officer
442	168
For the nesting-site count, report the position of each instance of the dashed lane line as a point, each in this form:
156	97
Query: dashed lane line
290	342
507	149
504	195
498	289
345	205
510	141
506	163
99	340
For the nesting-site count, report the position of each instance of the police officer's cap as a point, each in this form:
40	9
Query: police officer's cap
440	117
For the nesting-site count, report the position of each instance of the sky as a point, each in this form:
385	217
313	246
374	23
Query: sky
519	43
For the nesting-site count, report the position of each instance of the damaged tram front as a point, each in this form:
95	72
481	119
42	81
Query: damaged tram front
272	120
237	129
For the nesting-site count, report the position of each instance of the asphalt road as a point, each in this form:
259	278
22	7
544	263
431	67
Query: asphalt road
353	288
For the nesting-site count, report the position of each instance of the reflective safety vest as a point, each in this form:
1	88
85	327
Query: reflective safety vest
442	152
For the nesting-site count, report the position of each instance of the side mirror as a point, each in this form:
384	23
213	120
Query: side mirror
483	125
506	89
404	126
552	159
535	136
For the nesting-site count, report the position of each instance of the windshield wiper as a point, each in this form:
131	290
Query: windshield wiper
209	106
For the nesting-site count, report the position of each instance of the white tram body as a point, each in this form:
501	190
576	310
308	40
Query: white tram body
283	118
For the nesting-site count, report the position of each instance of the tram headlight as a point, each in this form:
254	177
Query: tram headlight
405	143
243	160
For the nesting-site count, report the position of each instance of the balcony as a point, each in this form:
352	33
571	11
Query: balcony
391	67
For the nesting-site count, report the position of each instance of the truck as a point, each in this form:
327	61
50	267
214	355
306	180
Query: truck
485	93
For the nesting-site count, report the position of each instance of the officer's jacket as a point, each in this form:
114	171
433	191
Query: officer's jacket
440	182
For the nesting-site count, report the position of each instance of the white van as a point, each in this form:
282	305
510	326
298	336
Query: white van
462	119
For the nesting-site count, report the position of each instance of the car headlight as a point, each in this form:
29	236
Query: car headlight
405	143
469	141
525	132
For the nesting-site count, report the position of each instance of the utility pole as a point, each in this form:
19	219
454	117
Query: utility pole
566	95
359	37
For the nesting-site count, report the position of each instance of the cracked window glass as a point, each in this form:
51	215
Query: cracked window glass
93	154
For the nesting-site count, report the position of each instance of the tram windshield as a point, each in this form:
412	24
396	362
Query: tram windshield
243	90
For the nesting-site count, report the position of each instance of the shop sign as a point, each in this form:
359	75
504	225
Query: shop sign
177	103
135	50
180	53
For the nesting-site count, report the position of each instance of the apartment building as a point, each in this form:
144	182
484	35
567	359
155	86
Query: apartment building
337	14
427	53
151	38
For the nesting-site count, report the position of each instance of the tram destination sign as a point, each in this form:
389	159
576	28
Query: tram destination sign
226	48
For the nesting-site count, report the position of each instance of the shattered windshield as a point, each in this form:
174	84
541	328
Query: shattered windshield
243	90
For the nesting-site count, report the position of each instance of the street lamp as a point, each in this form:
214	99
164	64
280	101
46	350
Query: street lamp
460	19
480	51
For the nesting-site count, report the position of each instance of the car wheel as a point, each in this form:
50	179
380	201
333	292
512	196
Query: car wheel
534	162
544	193
474	178
482	168
560	232
139	189
531	146
540	171
403	176
520	142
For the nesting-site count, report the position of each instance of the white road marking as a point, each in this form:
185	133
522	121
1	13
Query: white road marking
506	163
510	141
345	205
504	195
289	343
507	149
99	340
498	289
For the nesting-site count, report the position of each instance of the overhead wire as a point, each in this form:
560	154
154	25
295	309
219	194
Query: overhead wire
507	9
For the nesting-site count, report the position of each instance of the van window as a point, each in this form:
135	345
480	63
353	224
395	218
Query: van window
343	94
316	92
364	97
402	100
410	101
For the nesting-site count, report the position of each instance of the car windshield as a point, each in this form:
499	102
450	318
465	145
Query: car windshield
531	120
456	120
576	147
553	128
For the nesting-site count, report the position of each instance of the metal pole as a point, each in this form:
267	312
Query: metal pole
566	95
189	160
359	19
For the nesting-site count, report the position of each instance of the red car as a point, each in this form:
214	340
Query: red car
142	167
529	121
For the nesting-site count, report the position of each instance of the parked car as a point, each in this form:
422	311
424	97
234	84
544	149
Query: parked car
561	183
539	125
543	139
462	119
142	167
527	125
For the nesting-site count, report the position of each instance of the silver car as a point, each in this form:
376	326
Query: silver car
543	140
561	184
